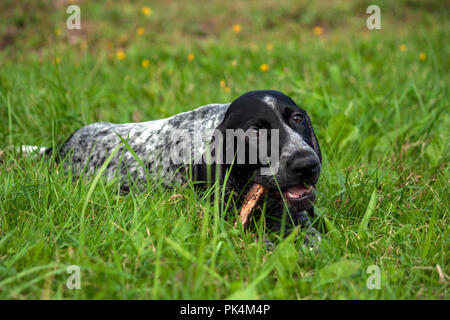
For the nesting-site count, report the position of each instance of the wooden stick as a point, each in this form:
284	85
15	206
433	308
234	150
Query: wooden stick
251	200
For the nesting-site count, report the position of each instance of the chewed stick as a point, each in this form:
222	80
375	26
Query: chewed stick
251	200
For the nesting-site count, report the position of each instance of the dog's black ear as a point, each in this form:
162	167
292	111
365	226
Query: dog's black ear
228	148
206	174
314	142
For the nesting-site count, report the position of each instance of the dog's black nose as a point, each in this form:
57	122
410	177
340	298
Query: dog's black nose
303	163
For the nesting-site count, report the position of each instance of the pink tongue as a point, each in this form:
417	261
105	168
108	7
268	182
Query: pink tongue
296	192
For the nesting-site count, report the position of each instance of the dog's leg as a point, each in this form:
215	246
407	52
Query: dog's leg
308	235
312	236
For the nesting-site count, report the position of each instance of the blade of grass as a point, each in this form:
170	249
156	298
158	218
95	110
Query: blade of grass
369	211
189	256
89	195
430	233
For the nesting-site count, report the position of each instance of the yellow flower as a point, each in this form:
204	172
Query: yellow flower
58	31
223	83
57	60
140	31
269	46
146	11
145	63
120	55
227	89
234	63
318	30
422	56
191	57
264	67
402	47
237	28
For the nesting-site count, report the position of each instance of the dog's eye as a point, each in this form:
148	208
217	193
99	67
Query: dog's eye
297	118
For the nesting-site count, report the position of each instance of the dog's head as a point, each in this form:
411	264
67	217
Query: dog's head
290	163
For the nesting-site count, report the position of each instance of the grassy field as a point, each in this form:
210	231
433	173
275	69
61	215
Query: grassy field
379	104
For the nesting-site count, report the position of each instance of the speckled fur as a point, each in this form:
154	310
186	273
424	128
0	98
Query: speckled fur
89	146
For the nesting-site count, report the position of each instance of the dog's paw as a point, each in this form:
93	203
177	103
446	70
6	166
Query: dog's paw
312	239
308	234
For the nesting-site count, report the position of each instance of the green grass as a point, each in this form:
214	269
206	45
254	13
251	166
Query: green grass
381	116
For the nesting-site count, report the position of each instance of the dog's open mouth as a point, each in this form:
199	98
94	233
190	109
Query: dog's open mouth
300	197
300	194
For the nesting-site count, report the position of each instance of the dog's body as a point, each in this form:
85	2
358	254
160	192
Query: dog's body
91	145
153	142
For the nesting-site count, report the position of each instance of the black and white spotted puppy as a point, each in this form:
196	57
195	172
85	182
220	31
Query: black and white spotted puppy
171	148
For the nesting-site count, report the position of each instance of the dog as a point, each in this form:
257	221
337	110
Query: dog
148	150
